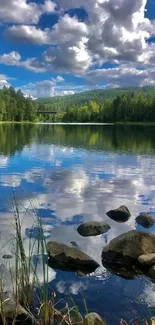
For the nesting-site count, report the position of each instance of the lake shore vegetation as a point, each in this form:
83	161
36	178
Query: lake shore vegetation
113	106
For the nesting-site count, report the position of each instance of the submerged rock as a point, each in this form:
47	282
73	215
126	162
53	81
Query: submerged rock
93	228
124	251
93	319
67	258
122	214
145	220
75	244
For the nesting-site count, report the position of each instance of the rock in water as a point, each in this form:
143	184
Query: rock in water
7	257
66	316
93	319
65	257
132	244
15	313
122	214
123	252
75	244
145	220
93	228
147	259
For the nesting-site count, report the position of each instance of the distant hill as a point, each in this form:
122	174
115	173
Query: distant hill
60	103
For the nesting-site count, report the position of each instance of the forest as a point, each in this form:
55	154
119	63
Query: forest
15	107
137	107
114	105
60	103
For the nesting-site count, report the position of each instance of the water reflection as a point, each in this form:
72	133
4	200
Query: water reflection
73	174
134	139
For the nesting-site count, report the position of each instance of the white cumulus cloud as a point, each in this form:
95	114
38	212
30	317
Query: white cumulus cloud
115	31
23	11
4	81
122	76
48	88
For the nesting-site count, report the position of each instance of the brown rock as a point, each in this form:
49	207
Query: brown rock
122	214
121	255
93	319
93	228
11	308
13	311
147	259
66	316
132	244
145	220
70	257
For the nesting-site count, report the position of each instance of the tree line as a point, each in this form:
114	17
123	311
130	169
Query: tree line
129	107
60	103
134	106
15	107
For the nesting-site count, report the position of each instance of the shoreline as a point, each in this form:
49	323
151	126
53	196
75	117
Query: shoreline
82	123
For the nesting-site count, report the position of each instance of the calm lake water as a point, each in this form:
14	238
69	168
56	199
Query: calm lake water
71	174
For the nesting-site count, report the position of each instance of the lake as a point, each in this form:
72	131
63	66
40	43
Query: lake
70	174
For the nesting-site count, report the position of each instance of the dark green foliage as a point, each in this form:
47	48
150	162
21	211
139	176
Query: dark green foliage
60	103
15	107
113	105
128	107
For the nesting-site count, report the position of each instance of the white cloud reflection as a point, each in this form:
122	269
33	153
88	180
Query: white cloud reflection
3	161
84	188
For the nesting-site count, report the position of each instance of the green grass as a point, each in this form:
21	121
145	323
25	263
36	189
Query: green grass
25	279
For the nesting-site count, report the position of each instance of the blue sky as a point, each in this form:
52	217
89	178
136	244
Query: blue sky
61	47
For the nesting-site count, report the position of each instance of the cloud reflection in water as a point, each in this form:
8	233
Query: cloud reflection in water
66	186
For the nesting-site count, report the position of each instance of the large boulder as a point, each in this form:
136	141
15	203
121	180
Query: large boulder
132	244
93	228
65	257
93	319
145	220
122	214
123	252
